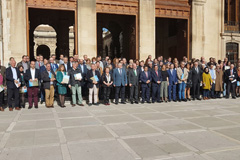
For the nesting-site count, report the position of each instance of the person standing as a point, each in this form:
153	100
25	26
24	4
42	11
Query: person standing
182	74
24	63
164	84
189	82
23	87
173	80
146	79
207	83
84	71
54	66
75	84
3	83
231	80
48	77
38	63
32	75
62	87
197	80
42	91
156	84
119	82
107	81
13	78
212	73
133	80
218	81
93	77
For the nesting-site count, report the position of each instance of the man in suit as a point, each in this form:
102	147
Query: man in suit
93	85
42	90
133	80
197	80
75	84
38	63
49	80
119	82
84	70
13	83
182	75
146	79
231	76
156	84
32	75
3	73
173	81
54	66
66	64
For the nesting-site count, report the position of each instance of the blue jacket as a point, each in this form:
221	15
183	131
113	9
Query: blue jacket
84	71
144	79
42	68
156	78
172	77
119	80
54	67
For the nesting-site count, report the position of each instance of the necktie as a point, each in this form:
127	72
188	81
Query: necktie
39	64
146	74
157	73
231	72
135	72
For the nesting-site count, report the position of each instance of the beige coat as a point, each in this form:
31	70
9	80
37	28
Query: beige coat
179	74
219	81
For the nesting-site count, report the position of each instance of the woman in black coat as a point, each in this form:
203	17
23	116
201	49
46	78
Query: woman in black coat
189	82
107	81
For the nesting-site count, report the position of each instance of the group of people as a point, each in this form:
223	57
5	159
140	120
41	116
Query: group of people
151	81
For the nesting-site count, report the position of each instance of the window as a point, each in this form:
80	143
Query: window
232	52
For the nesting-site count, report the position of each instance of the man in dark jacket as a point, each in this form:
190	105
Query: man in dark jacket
196	80
146	79
231	76
32	75
93	77
75	84
133	80
13	83
156	84
49	80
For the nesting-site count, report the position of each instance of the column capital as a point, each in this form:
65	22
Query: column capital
199	1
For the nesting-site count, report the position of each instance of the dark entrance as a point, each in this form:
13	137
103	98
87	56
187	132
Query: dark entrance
60	20
116	35
232	52
171	38
44	51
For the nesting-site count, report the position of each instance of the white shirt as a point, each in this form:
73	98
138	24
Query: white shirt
14	73
108	78
32	73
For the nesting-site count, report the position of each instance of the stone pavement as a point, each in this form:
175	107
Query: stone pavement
200	130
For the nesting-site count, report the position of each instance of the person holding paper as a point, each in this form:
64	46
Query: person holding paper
23	87
32	76
13	83
93	77
62	86
231	80
238	82
75	84
48	77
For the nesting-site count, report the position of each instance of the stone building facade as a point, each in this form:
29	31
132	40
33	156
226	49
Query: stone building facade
138	28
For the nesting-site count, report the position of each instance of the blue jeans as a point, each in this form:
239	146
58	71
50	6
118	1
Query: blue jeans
213	91
181	90
205	93
224	89
172	92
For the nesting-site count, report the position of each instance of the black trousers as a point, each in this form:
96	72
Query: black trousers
13	93
106	94
1	99
196	90
117	91
231	87
134	93
156	93
146	94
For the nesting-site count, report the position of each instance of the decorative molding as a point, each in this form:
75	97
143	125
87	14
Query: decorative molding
117	7
172	13
52	4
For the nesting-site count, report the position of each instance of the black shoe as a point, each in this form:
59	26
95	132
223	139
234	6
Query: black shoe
169	100
153	101
185	100
41	102
227	97
123	102
148	102
131	102
36	107
175	101
179	100
89	104
96	104
159	102
193	99
142	102
233	97
116	103
199	99
29	107
136	102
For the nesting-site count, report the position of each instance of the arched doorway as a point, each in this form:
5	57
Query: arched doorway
43	50
232	52
45	35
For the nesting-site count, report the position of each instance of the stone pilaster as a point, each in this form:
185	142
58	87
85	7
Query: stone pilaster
198	28
87	29
146	28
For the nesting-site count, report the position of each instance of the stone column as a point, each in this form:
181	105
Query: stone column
146	28
87	28
198	28
1	35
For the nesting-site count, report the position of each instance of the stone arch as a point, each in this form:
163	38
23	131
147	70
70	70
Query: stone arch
45	35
